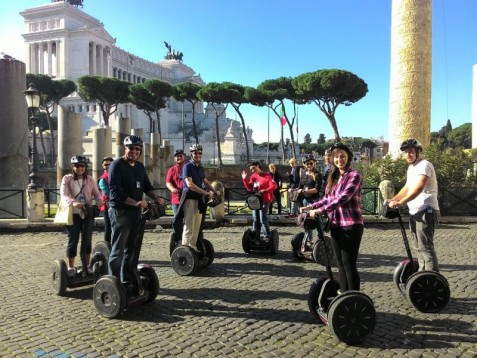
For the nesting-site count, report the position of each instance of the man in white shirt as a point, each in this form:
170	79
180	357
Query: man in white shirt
420	195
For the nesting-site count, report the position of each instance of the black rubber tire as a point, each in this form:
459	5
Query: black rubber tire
209	252
274	242
104	247
402	272
319	251
172	243
428	291
99	263
352	317
149	281
246	239
296	243
184	261
109	297
59	277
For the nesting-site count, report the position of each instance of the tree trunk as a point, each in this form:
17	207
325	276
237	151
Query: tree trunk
244	130
219	152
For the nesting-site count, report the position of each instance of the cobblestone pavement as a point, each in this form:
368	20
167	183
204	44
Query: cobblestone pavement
242	305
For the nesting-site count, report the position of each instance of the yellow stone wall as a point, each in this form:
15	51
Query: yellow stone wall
411	72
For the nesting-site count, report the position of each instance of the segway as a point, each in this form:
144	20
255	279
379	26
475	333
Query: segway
252	241
305	249
61	281
111	296
185	261
428	291
351	315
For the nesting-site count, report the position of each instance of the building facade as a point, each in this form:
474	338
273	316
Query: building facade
64	42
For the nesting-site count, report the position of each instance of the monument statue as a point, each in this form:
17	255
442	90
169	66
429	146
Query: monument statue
172	54
72	2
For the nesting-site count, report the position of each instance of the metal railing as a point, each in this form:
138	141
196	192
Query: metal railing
452	201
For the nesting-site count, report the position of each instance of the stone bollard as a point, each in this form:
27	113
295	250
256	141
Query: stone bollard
386	191
218	212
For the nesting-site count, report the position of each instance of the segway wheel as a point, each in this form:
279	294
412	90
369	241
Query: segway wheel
428	291
109	296
99	263
149	281
274	242
352	317
59	277
173	243
320	295
184	260
319	252
402	272
209	251
103	247
296	243
246	240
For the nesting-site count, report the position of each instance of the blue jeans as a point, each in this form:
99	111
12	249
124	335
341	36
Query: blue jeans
125	226
263	220
83	227
174	208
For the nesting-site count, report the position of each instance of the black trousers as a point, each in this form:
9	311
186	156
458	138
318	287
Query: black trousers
346	242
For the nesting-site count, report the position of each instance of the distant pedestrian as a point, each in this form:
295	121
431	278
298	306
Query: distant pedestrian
277	178
293	182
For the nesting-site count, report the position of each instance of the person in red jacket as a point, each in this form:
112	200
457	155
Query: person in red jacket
263	183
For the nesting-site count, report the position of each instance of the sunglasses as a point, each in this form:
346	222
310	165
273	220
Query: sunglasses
309	163
196	153
134	148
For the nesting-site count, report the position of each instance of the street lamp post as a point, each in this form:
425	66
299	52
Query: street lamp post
35	194
32	96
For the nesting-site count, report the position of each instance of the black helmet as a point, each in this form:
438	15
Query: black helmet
195	147
79	159
308	157
340	145
133	140
107	159
411	143
179	152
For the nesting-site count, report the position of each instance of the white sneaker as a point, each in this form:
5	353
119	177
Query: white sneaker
71	272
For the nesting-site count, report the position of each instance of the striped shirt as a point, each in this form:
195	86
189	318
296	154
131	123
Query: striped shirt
343	203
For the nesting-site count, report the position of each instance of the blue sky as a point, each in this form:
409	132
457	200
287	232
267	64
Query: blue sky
249	41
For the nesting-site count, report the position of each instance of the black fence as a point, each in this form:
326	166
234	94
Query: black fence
452	201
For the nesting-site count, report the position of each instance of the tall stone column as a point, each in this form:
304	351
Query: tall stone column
69	140
14	124
41	53
411	72
101	149
123	129
155	161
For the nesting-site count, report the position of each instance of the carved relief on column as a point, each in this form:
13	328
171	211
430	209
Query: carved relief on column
411	72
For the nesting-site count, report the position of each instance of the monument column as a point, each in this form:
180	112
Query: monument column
50	58
411	72
41	53
101	61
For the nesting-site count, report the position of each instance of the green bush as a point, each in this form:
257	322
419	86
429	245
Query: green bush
454	168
